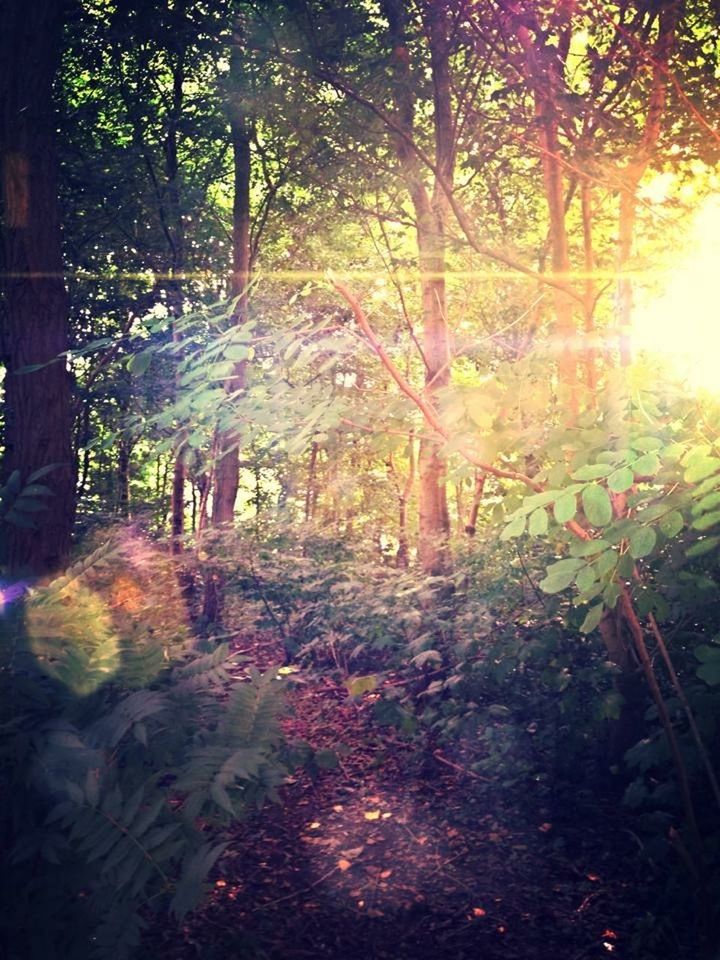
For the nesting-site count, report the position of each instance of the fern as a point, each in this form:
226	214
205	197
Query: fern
105	753
231	763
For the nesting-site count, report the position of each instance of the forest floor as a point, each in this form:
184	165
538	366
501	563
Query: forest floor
403	854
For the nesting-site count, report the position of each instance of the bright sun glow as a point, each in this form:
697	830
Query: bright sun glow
683	324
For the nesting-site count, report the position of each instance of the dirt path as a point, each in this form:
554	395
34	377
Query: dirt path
394	856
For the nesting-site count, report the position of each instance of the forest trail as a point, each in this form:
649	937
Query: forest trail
396	854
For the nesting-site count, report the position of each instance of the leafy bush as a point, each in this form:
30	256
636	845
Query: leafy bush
121	765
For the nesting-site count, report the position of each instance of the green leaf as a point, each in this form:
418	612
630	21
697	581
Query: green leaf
357	686
701	468
706	503
710	660
538	523
611	594
707	654
647	444
597	505
195	869
586	580
565	508
647	465
702	546
588	548
593	618
37	490
592	471
704	522
559	576
671	524
42	472
238	352
642	542
514	529
605	562
139	363
621	480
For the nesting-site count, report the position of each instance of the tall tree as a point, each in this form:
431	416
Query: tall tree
226	471
431	209
34	303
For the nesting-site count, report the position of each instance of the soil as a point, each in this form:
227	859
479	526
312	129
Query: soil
403	853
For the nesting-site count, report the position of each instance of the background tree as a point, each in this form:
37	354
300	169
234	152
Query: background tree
34	305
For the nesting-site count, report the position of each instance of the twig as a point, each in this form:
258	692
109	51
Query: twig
456	766
296	893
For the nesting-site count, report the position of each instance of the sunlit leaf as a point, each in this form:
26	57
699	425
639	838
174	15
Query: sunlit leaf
565	508
707	520
621	480
592	471
647	465
701	468
538	523
514	529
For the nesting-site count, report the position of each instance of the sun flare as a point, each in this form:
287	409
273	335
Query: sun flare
681	325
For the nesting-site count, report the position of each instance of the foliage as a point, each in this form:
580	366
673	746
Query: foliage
123	760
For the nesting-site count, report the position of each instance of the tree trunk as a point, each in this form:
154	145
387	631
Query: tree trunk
590	350
175	233
226	471
38	419
471	525
123	500
430	219
544	66
631	176
310	494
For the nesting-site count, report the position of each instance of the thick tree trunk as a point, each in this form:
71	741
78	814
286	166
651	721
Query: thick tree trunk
38	420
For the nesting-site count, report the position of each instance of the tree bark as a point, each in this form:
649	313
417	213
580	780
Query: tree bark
430	218
544	66
226	470
38	419
632	174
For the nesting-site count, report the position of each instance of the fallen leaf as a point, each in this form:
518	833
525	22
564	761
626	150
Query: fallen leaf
593	876
338	808
344	865
372	814
352	852
315	825
478	912
385	874
545	827
386	816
